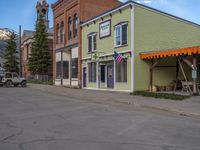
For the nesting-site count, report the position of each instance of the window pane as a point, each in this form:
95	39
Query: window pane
89	43
103	74
57	33
124	34
75	68
15	75
121	71
62	32
69	28
125	71
94	42
89	71
92	72
75	25
117	31
58	70
65	69
117	36
118	41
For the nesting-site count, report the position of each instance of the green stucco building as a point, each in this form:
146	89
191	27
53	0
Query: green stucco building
129	30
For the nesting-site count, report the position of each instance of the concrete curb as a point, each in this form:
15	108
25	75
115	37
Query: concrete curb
129	103
179	112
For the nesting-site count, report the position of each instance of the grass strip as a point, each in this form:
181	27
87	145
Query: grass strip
161	95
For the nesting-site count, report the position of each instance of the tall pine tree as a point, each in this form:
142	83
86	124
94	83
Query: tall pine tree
40	58
11	63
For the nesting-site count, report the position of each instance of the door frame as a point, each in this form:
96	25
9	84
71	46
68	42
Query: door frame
105	65
113	65
83	77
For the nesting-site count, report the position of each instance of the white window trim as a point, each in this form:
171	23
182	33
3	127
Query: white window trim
115	42
92	35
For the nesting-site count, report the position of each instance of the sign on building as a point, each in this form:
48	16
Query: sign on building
194	74
105	29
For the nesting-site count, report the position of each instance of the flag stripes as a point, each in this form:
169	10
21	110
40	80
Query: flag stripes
118	57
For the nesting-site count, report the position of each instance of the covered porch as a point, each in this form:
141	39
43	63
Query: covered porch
185	63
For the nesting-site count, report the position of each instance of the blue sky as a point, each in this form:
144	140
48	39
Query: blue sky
22	12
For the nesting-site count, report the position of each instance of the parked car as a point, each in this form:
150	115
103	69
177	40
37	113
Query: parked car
12	79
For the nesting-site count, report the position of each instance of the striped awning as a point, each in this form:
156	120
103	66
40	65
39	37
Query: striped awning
172	52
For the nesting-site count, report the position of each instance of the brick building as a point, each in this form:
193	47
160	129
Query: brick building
42	9
67	36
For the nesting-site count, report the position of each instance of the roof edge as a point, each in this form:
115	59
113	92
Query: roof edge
141	5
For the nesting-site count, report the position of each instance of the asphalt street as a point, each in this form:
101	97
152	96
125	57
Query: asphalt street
31	119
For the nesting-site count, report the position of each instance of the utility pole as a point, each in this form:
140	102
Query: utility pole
20	54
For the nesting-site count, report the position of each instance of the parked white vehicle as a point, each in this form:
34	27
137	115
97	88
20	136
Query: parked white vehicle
12	79
2	72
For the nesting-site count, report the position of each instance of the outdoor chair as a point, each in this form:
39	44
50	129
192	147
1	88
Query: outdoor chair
186	86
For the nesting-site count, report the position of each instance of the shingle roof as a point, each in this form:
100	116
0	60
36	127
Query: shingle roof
28	33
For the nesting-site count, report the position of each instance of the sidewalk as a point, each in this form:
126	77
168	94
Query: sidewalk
189	107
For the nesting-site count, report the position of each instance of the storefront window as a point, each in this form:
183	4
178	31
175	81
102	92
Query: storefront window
121	72
75	68
92	72
58	70
65	69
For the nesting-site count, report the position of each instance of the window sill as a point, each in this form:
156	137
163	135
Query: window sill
74	79
121	46
65	78
92	52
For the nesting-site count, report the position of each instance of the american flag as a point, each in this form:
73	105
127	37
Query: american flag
118	57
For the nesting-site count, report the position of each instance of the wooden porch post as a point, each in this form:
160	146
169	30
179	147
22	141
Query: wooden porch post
151	76
153	65
194	78
184	75
177	74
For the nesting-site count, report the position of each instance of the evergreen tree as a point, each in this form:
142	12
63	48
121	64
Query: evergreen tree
40	58
11	63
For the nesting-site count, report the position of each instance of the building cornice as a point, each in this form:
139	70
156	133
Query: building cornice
131	4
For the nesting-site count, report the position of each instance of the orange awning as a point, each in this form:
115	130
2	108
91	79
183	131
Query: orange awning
173	52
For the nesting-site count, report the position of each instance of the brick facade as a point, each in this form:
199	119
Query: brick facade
62	11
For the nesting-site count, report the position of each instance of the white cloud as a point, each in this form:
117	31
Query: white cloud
144	1
139	2
175	7
182	8
147	1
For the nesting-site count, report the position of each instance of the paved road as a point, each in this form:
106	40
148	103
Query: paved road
31	119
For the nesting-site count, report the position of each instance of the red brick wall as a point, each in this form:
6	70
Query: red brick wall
91	8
